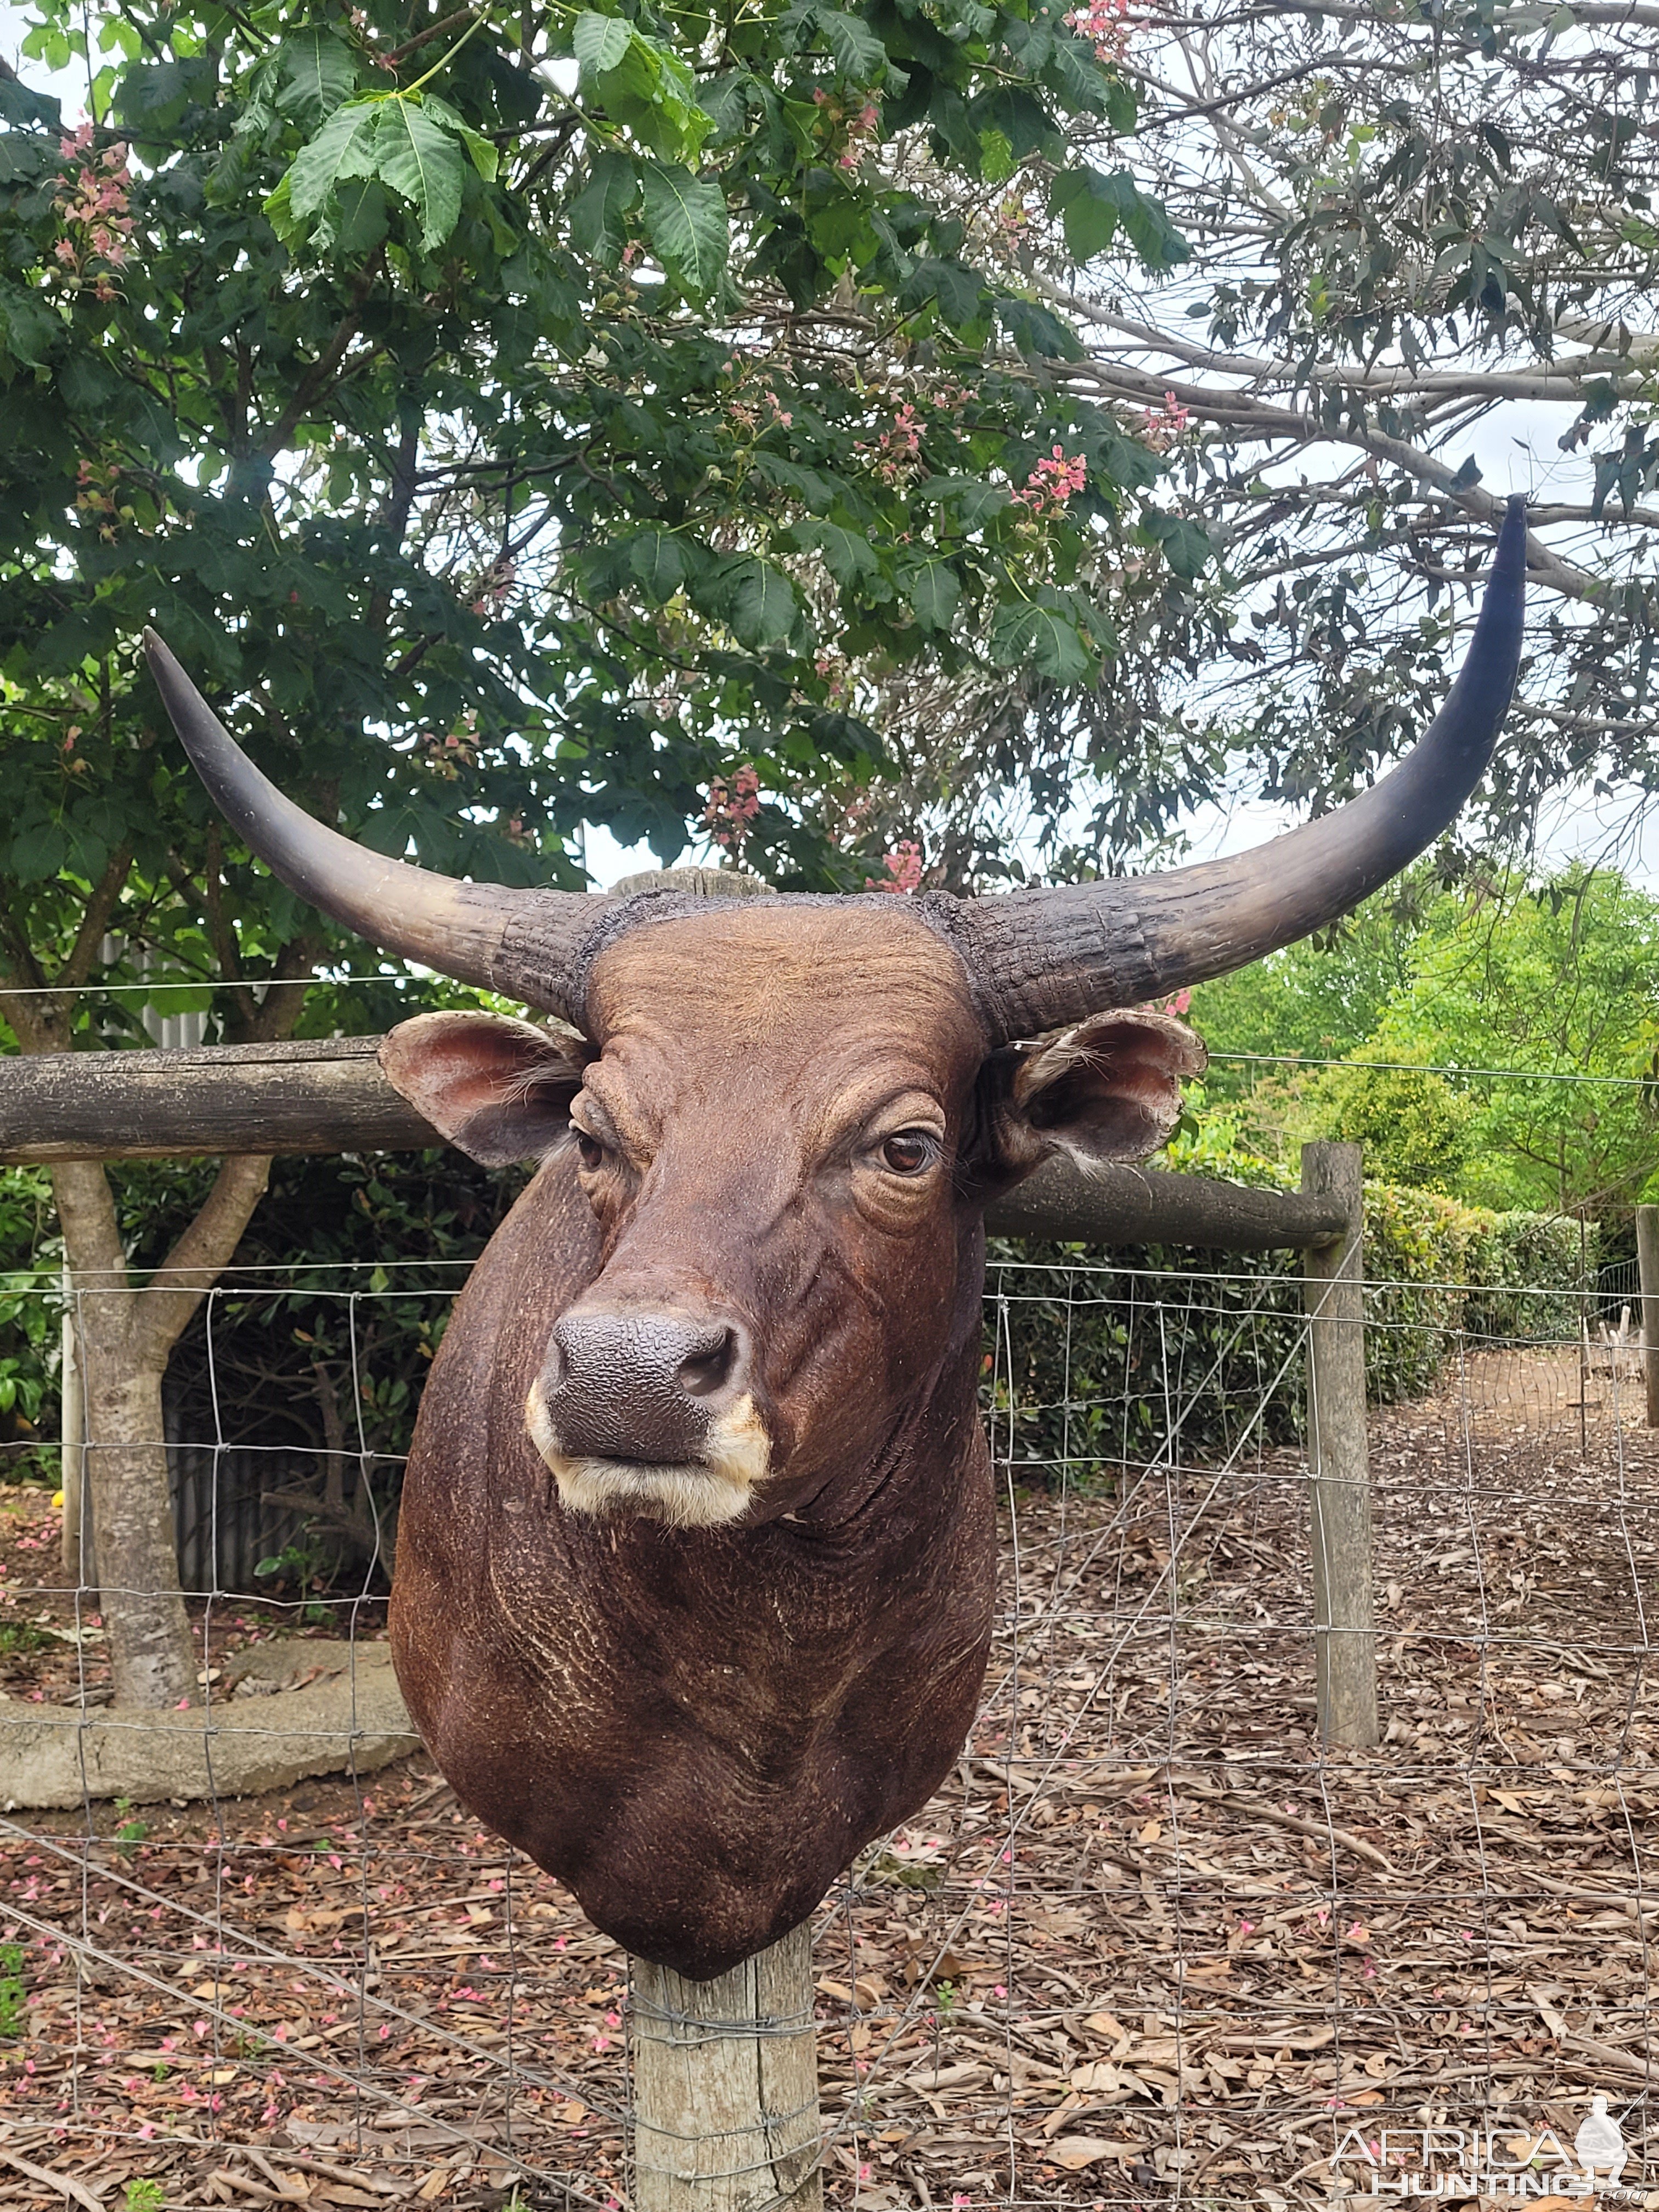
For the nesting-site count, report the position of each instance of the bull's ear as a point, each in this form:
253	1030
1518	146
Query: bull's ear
498	1089
1107	1090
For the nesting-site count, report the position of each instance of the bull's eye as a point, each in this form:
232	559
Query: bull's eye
589	1149
908	1151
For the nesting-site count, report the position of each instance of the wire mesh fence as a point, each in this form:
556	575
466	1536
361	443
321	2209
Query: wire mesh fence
1152	1944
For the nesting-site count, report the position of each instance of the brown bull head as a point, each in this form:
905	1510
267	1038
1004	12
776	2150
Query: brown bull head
695	1556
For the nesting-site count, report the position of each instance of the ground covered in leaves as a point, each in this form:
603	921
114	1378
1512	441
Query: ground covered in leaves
1149	1946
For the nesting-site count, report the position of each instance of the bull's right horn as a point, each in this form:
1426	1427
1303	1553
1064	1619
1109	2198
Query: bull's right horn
1055	955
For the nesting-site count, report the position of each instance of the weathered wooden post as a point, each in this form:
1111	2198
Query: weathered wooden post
726	2086
77	1534
1339	1471
1647	1266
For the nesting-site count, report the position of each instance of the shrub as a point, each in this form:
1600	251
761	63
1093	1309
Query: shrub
1107	1357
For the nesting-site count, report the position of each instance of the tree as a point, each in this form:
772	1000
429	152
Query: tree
1403	222
1551	979
1555	977
501	457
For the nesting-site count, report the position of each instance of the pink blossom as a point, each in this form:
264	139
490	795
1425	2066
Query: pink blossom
898	449
1104	23
93	203
1052	483
731	808
904	867
1165	424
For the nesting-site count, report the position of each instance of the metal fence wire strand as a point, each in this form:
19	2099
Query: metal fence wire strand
1152	1943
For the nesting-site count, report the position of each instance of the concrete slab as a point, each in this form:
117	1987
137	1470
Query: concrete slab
283	1712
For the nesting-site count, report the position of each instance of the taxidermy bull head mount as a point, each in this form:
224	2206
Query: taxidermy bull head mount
697	1552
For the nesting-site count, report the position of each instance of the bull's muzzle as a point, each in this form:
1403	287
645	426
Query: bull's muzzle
648	1409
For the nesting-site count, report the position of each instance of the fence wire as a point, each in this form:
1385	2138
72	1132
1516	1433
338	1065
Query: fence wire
1152	1944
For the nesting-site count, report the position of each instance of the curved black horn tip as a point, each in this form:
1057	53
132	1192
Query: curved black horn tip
1510	566
169	678
204	736
1494	656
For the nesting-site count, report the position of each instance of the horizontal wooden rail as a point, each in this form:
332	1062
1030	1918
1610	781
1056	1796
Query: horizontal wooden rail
331	1096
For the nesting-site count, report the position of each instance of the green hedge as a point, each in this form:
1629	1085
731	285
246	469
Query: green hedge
1099	1358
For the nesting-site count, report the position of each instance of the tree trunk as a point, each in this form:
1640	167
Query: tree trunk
127	1330
127	1336
151	1657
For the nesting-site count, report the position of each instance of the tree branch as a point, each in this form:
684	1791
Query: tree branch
199	1257
312	383
94	923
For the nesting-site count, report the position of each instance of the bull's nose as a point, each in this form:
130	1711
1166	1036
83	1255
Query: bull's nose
642	1384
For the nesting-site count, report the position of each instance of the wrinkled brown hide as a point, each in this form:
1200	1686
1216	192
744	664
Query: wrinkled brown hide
697	1728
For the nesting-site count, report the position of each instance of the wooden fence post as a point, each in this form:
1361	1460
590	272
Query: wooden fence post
1338	1472
1647	1266
726	2086
73	1473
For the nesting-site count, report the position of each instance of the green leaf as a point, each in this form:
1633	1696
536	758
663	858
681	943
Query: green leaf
21	106
419	160
933	589
760	603
657	560
1043	639
344	148
482	152
39	852
597	227
814	489
1186	547
849	558
685	221
959	291
29	333
996	158
1037	330
599	42
854	47
317	72
359	220
652	93
1094	209
972	502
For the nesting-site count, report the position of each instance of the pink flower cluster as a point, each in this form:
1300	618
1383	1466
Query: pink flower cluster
1165	424
898	449
93	206
731	808
1104	23
904	867
748	416
1052	483
495	584
861	127
1013	220
449	755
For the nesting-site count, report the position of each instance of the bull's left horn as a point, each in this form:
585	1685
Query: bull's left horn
524	943
1056	955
